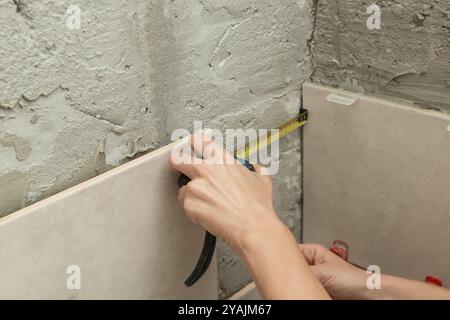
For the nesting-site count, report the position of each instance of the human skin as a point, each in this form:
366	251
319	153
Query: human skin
236	205
343	281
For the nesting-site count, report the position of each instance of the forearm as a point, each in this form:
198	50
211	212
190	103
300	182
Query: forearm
278	269
395	288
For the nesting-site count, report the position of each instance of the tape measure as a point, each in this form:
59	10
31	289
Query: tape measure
209	243
266	140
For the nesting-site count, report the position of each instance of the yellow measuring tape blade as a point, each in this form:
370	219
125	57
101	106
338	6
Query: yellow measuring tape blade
268	139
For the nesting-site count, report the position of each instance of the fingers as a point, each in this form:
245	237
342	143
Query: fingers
308	253
190	158
262	171
258	168
183	160
182	198
314	254
317	270
192	199
206	148
182	195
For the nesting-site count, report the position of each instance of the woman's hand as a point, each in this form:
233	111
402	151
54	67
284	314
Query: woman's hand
228	200
236	205
342	280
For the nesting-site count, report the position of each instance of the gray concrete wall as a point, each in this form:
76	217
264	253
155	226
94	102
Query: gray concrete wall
408	58
77	102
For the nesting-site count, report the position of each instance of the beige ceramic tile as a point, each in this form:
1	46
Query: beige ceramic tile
124	229
249	292
377	175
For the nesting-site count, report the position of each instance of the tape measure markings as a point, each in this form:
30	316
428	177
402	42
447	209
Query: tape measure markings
266	140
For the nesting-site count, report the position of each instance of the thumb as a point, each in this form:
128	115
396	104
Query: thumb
314	254
264	172
317	270
321	273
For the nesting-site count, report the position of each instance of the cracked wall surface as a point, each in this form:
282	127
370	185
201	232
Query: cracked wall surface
77	102
408	58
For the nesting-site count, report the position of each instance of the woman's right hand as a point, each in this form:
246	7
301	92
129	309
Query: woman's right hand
342	280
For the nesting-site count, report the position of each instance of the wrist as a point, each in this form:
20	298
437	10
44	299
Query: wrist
383	293
266	235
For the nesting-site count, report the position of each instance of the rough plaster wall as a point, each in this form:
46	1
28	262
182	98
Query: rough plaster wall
409	57
74	103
